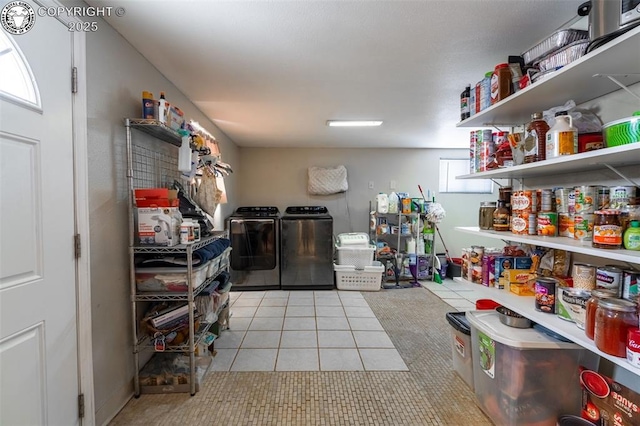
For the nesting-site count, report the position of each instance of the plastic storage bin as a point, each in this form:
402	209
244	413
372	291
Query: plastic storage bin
352	239
461	353
367	279
359	257
169	279
522	376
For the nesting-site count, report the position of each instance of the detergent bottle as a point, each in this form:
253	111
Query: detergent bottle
394	200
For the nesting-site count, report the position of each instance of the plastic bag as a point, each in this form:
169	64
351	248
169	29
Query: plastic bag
584	120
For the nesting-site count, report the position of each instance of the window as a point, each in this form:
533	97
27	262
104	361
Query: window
17	82
450	168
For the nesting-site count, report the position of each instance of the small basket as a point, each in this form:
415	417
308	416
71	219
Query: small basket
367	279
358	257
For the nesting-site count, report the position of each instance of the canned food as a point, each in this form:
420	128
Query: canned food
473	138
571	304
583	228
603	198
566	225
621	196
547	200
584	276
609	278
475	257
630	280
545	291
548	224
633	347
522	204
533	224
585	197
485	149
562	199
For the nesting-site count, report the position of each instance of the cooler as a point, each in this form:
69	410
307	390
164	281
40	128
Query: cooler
522	376
461	346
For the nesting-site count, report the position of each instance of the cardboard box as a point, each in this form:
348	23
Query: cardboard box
522	289
159	226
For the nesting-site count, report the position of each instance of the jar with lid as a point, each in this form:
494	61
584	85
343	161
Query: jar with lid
591	306
607	232
614	318
485	214
500	83
501	217
536	139
504	193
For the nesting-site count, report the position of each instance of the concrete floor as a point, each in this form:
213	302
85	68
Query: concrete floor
429	393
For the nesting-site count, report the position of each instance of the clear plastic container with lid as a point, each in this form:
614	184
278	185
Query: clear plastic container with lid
500	83
614	318
591	306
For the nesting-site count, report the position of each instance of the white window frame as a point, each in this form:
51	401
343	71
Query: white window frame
450	169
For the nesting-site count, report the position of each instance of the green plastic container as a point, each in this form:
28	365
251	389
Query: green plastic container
622	132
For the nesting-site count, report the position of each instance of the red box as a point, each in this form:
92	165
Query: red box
590	142
156	197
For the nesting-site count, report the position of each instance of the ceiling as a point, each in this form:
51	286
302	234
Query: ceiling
271	73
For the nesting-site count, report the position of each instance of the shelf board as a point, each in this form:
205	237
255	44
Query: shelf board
156	129
177	295
524	305
624	155
574	81
561	243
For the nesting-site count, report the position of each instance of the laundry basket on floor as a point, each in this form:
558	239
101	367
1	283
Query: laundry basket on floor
367	279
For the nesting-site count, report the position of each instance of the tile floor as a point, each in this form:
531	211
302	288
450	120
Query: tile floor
304	331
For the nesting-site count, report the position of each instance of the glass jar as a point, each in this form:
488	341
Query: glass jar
485	215
607	232
501	217
614	318
504	194
591	306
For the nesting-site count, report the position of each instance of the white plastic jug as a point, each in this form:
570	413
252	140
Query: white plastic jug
394	200
382	203
562	138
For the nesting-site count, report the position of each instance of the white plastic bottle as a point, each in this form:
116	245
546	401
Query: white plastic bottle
163	109
562	138
394	200
184	155
382	203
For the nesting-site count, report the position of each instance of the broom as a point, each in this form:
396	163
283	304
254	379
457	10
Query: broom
436	271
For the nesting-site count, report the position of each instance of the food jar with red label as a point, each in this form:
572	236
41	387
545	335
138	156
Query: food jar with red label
614	319
607	231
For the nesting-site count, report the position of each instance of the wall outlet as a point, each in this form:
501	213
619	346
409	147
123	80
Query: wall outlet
370	184
392	184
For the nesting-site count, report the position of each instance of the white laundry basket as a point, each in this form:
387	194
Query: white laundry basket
367	279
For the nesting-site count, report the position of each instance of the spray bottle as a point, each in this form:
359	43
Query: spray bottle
163	109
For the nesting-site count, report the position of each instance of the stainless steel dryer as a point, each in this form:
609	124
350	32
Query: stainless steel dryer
255	242
306	260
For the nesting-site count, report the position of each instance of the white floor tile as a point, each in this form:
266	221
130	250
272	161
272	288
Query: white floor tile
299	323
300	311
274	302
340	360
299	339
355	302
229	339
270	311
261	340
300	294
350	295
382	360
329	311
255	360
266	323
298	360
332	323
243	311
239	323
223	359
335	339
307	301
359	312
365	324
327	293
371	339
276	294
328	301
462	305
242	302
253	294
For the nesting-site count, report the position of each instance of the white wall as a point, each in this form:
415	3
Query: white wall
117	74
279	177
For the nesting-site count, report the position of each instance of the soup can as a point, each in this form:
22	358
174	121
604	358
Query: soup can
630	281
603	198
584	276
548	224
571	304
562	199
566	225
609	278
585	197
583	227
546	203
621	196
545	291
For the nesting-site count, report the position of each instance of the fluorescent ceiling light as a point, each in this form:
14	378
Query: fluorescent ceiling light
359	123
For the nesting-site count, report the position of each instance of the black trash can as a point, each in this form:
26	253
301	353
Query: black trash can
461	346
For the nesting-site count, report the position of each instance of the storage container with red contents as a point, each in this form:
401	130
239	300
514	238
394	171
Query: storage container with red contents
614	319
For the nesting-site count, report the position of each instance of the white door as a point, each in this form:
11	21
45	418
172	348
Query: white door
38	340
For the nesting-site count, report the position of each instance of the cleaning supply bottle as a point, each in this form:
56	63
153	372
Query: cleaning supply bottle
382	203
163	109
394	200
632	236
148	105
184	155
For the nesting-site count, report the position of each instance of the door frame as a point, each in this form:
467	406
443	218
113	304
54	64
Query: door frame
81	219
